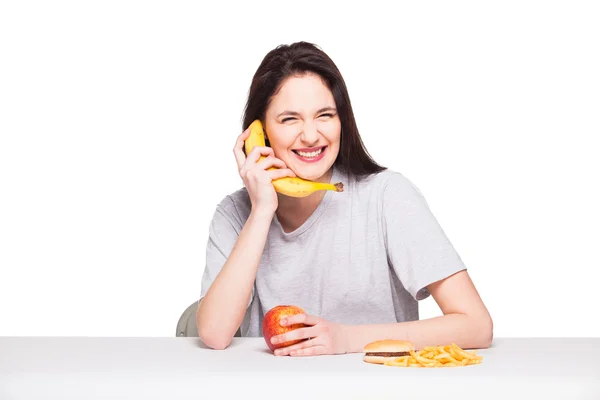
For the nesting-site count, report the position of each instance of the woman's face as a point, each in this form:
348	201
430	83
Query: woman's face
303	126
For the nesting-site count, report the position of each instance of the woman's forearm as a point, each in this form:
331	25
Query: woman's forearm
222	309
466	331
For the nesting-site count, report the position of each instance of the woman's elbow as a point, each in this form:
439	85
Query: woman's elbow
210	337
485	332
214	339
215	342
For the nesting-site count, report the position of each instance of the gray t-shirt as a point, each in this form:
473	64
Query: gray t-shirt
364	256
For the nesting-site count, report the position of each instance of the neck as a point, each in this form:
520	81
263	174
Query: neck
294	211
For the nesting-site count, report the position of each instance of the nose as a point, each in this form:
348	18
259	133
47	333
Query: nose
310	134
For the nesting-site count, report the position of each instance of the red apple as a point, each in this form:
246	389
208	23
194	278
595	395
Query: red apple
271	326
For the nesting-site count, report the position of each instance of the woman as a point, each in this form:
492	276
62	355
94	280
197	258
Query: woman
357	261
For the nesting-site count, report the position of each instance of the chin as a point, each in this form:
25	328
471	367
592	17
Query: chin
312	173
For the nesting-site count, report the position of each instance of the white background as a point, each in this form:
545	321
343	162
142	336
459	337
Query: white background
117	120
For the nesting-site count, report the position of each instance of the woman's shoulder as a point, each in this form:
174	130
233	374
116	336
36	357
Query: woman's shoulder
385	181
387	188
388	194
235	206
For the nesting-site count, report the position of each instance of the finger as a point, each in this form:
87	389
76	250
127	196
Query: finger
257	152
300	319
269	162
281	173
309	351
296	334
238	149
284	351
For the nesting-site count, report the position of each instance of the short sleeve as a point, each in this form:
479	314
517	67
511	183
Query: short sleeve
223	232
419	251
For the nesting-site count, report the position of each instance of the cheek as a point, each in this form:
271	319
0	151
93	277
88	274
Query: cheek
333	136
281	147
331	130
278	139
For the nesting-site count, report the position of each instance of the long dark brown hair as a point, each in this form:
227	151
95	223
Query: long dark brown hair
297	59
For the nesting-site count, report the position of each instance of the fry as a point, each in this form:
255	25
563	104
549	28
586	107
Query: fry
448	357
457	355
437	357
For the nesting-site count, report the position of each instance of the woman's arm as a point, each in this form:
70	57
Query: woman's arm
466	320
222	309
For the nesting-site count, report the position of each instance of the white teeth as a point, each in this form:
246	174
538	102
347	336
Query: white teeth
311	154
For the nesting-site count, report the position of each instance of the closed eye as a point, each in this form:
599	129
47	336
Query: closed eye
329	115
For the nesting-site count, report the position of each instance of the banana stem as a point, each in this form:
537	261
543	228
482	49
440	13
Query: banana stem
336	187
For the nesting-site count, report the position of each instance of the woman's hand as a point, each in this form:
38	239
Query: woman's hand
323	337
256	176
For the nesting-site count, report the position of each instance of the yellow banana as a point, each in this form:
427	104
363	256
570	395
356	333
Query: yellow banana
293	187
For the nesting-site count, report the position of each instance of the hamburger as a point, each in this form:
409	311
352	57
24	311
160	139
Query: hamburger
380	351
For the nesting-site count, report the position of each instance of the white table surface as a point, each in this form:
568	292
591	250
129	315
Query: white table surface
183	368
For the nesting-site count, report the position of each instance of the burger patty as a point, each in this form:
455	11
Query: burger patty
397	354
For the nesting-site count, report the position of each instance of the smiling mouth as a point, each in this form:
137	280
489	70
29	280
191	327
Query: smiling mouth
310	154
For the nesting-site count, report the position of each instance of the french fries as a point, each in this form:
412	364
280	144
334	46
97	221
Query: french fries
437	356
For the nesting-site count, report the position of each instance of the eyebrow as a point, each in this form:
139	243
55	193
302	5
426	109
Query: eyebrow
296	113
